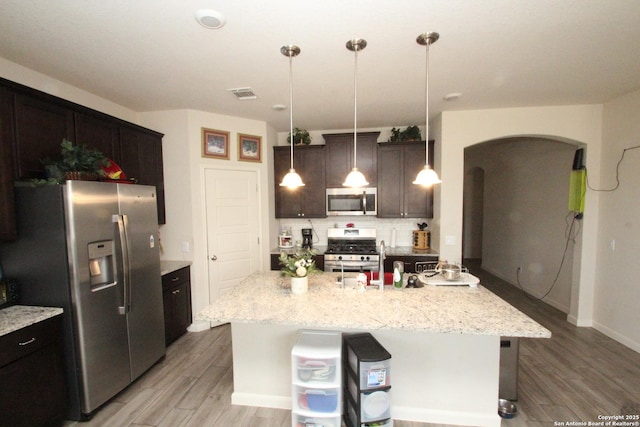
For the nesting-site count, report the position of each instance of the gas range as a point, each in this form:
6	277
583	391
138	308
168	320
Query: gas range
351	249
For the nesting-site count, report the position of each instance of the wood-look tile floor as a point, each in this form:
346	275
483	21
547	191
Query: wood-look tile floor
576	376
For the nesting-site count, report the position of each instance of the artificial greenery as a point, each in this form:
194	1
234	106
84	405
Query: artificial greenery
300	136
411	133
299	264
75	158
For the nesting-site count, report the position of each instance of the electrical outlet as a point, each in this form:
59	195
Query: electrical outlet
185	247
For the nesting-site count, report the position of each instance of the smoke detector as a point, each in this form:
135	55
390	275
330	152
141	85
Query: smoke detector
210	19
243	93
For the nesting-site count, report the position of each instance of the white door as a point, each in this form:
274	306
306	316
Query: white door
233	246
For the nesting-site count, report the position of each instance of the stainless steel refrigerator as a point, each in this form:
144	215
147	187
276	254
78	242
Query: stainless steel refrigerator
92	248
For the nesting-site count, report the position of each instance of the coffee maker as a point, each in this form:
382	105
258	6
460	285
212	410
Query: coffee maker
307	238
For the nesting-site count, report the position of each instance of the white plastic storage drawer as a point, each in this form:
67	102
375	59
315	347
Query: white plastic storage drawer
317	400
315	370
316	359
316	421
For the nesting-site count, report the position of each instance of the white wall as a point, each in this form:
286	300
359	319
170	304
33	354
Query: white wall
617	289
525	214
184	186
460	129
176	161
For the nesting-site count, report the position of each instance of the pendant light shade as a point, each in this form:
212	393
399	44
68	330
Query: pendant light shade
355	178
427	176
291	179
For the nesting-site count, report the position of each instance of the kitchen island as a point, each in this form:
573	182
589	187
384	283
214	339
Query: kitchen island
444	341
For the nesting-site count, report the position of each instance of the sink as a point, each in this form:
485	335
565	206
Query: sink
349	282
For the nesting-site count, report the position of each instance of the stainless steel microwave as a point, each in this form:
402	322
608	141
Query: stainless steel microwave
352	201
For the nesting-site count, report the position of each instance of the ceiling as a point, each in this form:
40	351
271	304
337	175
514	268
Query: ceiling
150	55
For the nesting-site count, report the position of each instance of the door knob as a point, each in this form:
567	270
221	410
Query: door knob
214	258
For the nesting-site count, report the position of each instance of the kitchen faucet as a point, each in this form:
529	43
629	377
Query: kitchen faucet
381	268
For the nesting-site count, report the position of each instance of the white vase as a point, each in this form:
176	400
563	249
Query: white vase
299	285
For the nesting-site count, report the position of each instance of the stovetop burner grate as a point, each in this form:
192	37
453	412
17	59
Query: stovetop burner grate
340	246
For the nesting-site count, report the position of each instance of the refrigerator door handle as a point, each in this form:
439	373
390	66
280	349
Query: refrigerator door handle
123	225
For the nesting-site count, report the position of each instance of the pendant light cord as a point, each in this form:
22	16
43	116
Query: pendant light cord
291	104
355	108
426	90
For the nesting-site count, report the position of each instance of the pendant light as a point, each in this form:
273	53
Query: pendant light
355	178
291	180
427	176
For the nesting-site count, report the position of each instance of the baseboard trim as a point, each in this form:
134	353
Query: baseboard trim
199	326
262	400
445	417
622	339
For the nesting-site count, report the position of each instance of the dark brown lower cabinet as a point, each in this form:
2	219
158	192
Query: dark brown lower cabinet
409	261
32	382
176	291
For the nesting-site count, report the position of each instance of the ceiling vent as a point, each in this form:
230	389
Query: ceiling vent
243	93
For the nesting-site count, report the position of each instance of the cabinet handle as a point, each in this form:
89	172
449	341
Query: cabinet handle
177	291
214	258
31	341
175	279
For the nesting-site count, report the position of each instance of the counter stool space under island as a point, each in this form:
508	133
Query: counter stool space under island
445	341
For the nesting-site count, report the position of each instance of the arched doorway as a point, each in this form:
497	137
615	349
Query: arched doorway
516	217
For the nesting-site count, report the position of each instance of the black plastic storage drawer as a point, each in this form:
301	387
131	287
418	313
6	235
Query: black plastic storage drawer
367	382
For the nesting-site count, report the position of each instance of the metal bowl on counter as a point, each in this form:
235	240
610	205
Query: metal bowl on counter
450	271
507	409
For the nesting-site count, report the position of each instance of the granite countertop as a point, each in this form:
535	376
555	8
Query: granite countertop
167	267
17	317
266	298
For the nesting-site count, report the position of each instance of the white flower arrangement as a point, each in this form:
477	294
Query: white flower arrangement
299	264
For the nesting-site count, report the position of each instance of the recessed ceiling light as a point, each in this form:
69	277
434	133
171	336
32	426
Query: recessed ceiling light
279	107
452	96
210	19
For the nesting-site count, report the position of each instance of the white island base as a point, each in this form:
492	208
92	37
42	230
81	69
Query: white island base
444	342
435	377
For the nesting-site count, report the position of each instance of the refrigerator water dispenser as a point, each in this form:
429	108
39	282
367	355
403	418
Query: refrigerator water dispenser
101	265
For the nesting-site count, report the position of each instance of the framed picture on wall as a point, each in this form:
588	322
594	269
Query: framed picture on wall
215	143
249	148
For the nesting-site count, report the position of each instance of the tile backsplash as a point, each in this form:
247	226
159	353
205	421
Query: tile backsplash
384	227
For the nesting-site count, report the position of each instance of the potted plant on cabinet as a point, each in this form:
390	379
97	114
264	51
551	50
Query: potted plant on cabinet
300	136
411	133
77	161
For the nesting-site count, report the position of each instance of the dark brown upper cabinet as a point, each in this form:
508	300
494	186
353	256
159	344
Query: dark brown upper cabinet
304	202
32	127
398	165
339	157
40	127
